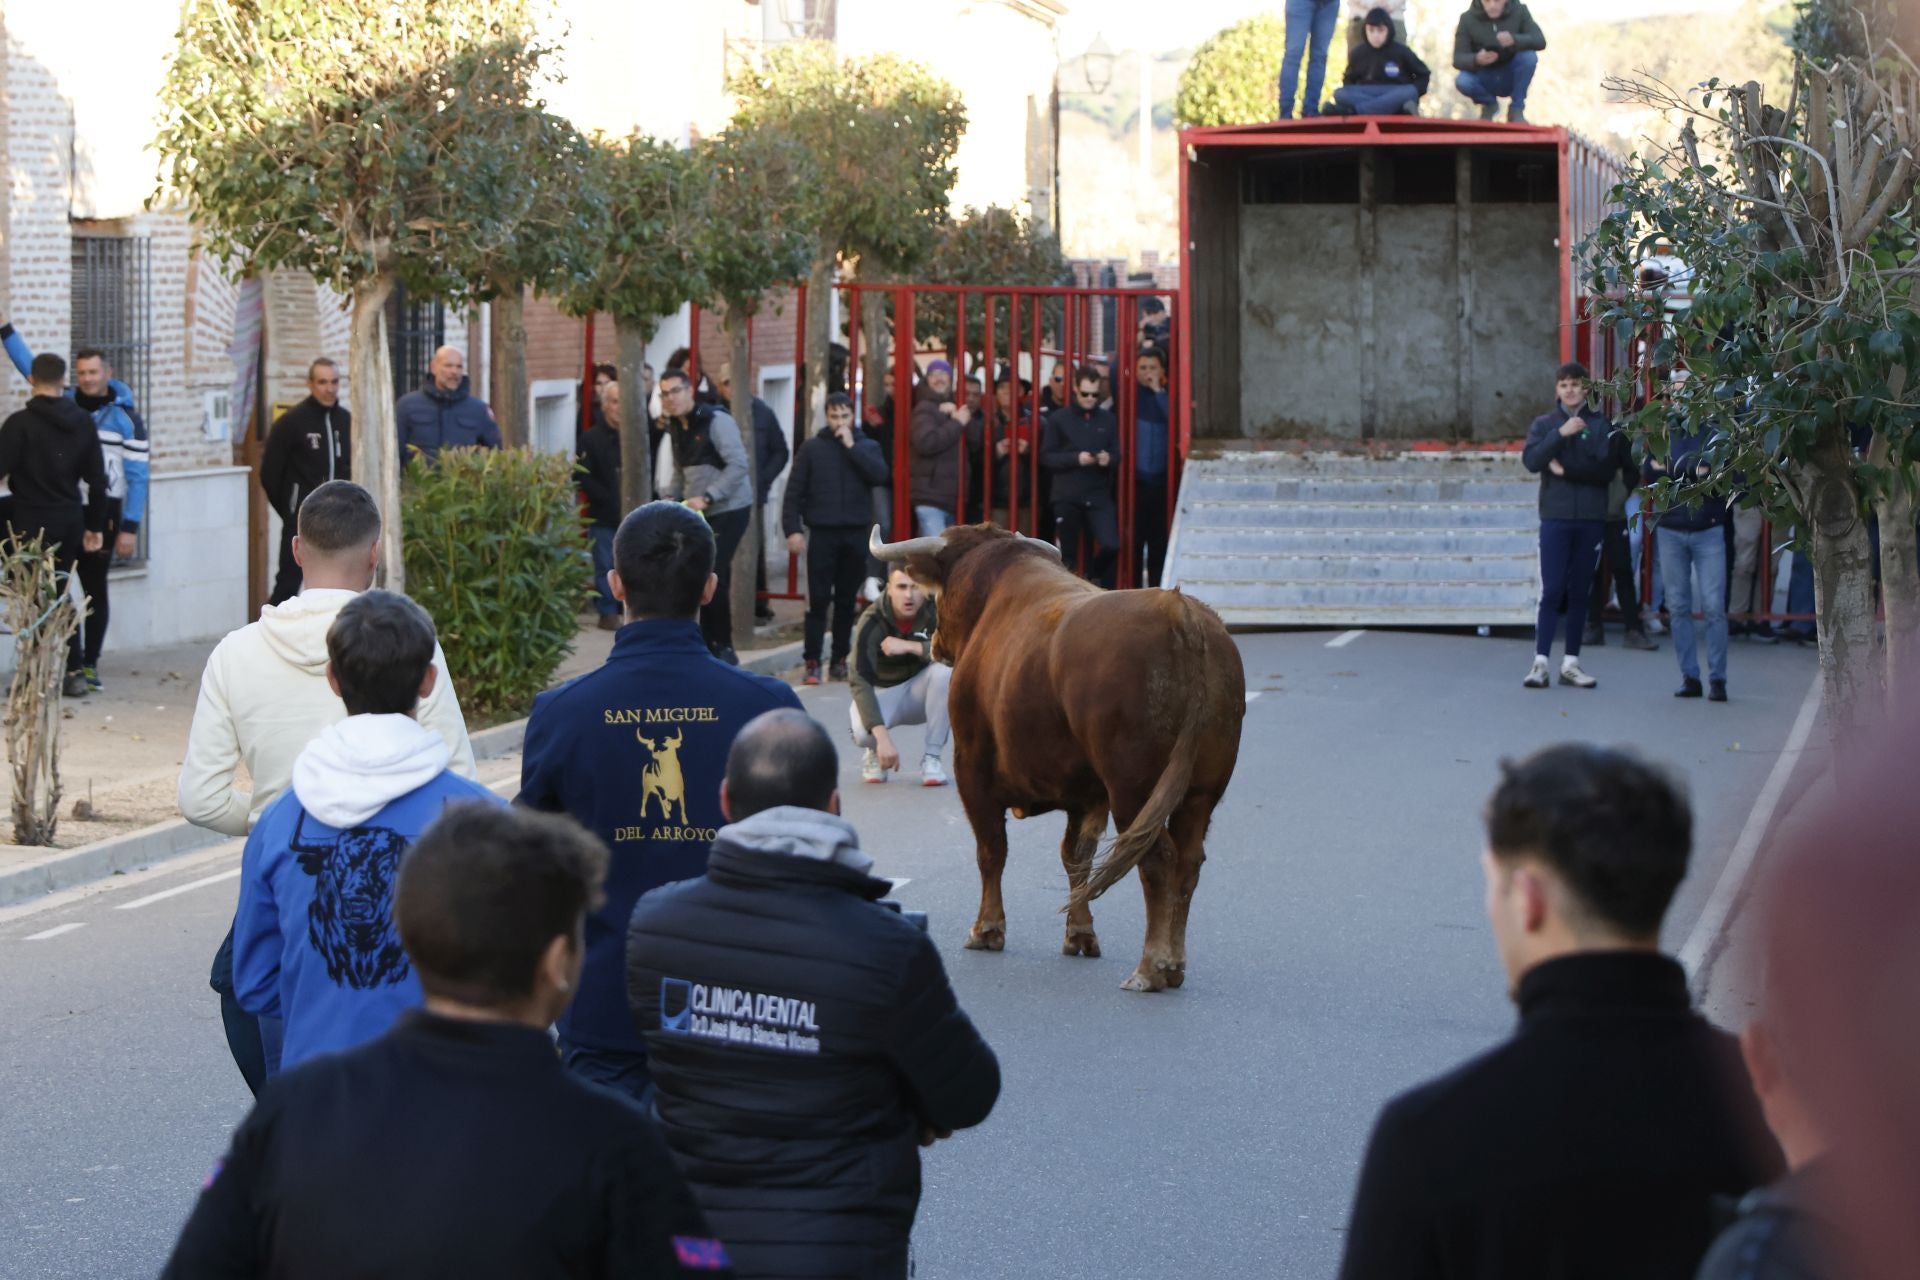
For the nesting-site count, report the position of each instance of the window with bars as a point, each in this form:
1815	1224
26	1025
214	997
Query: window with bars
415	330
111	308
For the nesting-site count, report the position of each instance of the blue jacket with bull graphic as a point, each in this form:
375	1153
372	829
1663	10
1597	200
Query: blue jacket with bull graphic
635	753
314	941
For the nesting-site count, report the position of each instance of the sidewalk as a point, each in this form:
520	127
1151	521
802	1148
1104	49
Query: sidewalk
120	753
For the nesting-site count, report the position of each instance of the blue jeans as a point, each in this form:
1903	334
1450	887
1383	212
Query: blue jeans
1683	554
1569	549
1376	99
1502	80
933	521
602	548
1306	18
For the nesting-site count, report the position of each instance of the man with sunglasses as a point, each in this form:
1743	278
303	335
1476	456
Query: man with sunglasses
1080	447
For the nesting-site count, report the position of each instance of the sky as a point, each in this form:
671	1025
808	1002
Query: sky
1155	25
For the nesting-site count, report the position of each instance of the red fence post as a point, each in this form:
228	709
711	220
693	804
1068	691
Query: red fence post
903	349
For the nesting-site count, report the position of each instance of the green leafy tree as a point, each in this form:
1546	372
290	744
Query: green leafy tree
759	227
992	246
1800	226
882	132
365	143
647	201
1234	76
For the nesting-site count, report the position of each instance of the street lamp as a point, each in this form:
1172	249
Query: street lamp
1096	64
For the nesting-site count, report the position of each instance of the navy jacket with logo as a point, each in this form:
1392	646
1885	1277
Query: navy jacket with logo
635	752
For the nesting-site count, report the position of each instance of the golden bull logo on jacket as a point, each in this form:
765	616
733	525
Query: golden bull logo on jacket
734	1015
662	784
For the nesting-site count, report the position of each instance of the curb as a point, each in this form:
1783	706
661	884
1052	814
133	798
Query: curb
67	868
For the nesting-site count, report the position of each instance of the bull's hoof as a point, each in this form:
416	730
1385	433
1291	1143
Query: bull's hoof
1137	981
1081	944
1177	977
992	939
1155	975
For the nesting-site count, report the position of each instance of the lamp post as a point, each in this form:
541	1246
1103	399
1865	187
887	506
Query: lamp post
1096	65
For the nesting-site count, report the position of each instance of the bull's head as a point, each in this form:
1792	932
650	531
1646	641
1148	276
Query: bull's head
960	567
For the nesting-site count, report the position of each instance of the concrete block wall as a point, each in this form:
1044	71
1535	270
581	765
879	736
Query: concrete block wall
194	584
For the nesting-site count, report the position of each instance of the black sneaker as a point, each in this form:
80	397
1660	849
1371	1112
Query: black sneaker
1716	691
726	654
75	686
1689	688
1594	636
837	671
1763	633
1637	639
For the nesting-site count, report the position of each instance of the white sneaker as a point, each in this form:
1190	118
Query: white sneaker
932	772
1537	674
1570	673
870	770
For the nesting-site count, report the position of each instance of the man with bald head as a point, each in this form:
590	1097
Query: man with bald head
441	415
803	1036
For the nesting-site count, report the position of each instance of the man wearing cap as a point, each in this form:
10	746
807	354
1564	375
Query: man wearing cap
938	425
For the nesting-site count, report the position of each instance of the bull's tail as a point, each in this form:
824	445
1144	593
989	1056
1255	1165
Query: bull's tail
1149	825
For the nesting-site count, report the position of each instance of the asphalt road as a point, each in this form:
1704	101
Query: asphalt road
1336	955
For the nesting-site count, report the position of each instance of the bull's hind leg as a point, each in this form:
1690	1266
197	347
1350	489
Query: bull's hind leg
1077	848
1156	968
989	822
1188	828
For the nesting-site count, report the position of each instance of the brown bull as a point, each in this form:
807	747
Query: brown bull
1064	696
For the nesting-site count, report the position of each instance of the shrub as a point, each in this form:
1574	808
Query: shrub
496	553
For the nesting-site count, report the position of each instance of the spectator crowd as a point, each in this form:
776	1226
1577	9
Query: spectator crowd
1496	51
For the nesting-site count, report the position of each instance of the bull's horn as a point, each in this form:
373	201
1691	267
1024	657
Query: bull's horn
1044	545
895	552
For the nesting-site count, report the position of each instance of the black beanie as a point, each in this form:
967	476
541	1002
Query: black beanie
1378	17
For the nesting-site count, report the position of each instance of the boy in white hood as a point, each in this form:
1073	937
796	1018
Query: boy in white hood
264	697
314	942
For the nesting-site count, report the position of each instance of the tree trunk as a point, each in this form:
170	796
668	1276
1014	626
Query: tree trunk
874	345
376	444
1900	592
1851	668
745	589
512	399
819	339
636	442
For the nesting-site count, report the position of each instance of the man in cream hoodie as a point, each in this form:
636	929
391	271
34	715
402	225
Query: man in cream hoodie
314	943
264	697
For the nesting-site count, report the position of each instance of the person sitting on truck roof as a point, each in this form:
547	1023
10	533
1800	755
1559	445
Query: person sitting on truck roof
1384	77
1495	49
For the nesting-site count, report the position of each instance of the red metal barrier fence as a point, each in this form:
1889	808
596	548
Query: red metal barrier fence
997	333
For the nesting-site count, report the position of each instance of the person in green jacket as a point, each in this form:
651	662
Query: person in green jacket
895	681
1496	49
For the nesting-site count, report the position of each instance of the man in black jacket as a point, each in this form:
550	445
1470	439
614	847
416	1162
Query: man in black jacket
597	462
803	1036
456	1144
1594	1142
46	451
1570	448
830	497
1383	76
307	446
1079	447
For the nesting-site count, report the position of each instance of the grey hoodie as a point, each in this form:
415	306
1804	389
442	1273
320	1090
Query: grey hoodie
800	833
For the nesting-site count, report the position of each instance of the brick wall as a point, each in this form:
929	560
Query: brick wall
39	245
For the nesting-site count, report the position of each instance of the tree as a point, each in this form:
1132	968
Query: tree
647	200
1800	226
882	132
758	230
991	246
365	143
1234	76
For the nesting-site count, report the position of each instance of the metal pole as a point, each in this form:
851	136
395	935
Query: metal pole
903	347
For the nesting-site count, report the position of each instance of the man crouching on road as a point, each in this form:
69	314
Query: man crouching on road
896	681
803	1037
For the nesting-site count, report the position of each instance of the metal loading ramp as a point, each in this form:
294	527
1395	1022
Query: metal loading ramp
1346	540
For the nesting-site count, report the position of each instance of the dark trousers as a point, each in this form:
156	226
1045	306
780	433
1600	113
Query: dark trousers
716	619
1150	528
1568	552
836	561
1616	568
1093	518
286	582
762	607
624	1073
61	528
94	566
243	1029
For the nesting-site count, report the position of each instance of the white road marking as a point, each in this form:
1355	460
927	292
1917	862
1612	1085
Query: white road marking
1252	694
176	891
1344	639
56	931
1726	890
900	882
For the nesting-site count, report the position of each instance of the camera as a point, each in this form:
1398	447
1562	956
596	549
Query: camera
918	919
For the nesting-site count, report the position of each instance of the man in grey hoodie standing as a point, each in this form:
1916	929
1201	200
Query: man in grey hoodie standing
710	476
